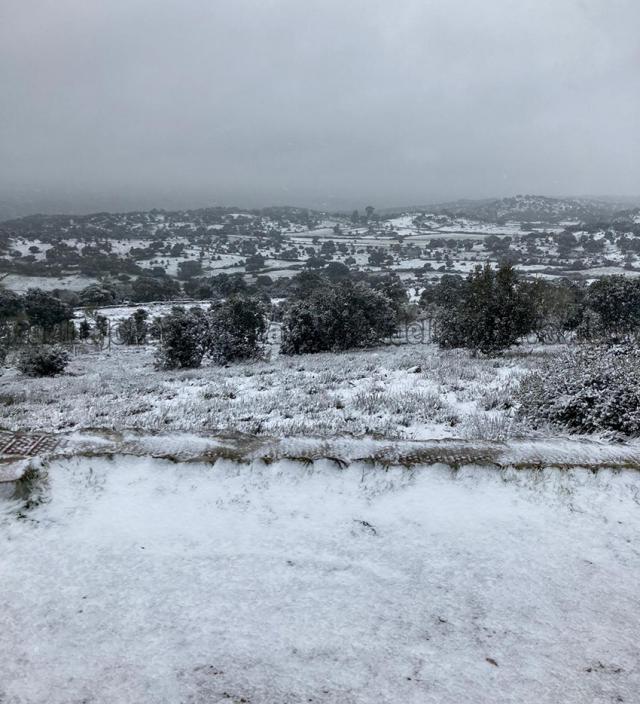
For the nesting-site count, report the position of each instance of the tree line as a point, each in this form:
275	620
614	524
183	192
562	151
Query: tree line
487	312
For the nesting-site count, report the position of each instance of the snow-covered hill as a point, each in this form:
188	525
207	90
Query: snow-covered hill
532	208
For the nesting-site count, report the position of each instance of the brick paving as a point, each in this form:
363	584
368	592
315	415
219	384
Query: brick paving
26	445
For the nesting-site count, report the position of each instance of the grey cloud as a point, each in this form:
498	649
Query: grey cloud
328	103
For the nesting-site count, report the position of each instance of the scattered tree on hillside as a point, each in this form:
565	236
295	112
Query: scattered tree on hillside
494	310
237	327
614	302
97	295
154	288
44	310
183	340
230	331
134	329
339	317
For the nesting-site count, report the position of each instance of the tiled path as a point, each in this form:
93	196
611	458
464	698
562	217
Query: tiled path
26	445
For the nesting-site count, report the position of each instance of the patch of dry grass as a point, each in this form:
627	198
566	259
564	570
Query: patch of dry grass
408	392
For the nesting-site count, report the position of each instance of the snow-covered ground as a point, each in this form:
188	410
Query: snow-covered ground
117	313
144	581
414	392
21	284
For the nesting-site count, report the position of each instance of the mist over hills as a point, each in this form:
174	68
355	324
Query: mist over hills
524	208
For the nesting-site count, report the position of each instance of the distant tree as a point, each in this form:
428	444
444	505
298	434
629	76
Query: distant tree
493	312
315	263
134	329
336	271
254	262
236	328
67	296
379	258
189	268
305	282
154	288
337	317
592	245
446	293
45	310
183	340
567	240
11	304
328	249
97	295
264	281
497	245
228	285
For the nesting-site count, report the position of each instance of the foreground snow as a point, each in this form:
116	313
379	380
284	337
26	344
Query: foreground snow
139	580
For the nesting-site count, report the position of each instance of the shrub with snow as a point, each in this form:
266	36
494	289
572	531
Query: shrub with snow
183	341
488	312
614	302
134	329
230	331
237	327
589	389
45	360
341	317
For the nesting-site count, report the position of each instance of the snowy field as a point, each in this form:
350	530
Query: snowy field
415	392
144	581
21	284
336	559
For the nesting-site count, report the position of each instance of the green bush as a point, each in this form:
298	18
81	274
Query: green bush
183	339
236	329
339	317
228	332
43	361
490	311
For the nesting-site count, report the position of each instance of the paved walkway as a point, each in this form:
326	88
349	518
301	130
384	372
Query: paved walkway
564	452
12	444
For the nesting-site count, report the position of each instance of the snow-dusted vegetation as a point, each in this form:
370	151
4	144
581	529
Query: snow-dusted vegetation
589	390
394	392
576	238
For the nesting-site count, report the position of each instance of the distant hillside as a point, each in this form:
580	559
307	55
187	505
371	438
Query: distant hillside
528	208
149	222
521	209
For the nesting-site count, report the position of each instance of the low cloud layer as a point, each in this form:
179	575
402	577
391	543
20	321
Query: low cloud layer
318	102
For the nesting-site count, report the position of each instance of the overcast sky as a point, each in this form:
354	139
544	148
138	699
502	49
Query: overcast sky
318	102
